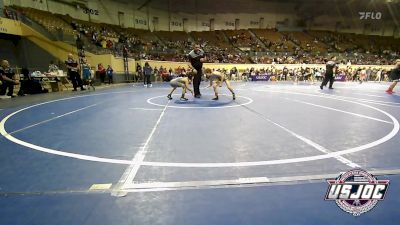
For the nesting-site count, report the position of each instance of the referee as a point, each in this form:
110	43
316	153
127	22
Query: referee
196	57
329	73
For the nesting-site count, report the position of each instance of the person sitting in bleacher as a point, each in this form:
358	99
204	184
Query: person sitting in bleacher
7	80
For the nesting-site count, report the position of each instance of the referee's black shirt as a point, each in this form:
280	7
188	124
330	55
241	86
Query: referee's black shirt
195	58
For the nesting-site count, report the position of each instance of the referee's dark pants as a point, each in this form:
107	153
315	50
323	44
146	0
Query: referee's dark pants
76	80
330	78
197	81
147	79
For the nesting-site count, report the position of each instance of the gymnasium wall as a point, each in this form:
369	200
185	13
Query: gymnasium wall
28	3
21	52
173	21
382	28
8	26
8	45
17	47
325	18
1	8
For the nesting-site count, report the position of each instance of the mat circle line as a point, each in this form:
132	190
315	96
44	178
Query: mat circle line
11	138
249	101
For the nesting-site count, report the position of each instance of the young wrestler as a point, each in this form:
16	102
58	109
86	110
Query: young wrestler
182	82
216	79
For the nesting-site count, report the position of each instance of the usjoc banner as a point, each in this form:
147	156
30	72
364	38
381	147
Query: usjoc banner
261	77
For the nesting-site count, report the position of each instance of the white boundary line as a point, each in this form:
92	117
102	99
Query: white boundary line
384	139
375	91
387	137
338	110
365	88
241	182
363	99
146	109
48	120
247	180
132	170
378	96
374	102
311	143
394	104
200	107
53	151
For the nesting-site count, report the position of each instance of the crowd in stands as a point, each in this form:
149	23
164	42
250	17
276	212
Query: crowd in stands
245	41
179	44
299	73
289	59
100	36
304	73
239	46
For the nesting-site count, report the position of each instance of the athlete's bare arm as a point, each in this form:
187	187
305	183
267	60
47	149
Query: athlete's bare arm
187	85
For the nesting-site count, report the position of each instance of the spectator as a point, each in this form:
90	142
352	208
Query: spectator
7	80
170	71
139	71
86	73
101	71
147	71
234	74
157	76
79	42
73	73
110	74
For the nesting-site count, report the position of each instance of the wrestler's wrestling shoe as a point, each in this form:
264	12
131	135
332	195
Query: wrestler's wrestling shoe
184	99
234	96
169	97
389	91
215	99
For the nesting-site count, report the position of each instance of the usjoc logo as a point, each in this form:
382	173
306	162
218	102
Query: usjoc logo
356	191
370	15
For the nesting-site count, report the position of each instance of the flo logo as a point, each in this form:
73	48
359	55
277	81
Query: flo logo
370	15
356	191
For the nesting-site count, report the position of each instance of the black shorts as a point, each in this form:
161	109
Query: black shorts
395	74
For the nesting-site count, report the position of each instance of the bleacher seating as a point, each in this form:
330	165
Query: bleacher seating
50	21
274	41
229	46
306	42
